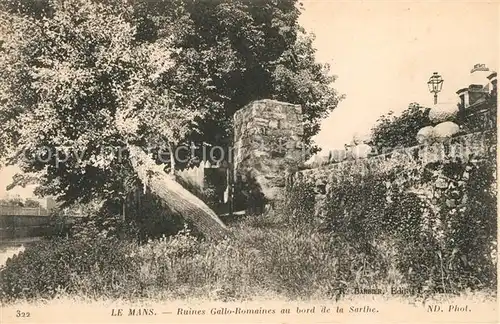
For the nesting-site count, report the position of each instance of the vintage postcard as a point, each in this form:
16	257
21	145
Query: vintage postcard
248	161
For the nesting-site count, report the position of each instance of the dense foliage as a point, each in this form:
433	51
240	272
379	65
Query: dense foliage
399	131
429	228
48	269
18	202
440	219
76	84
79	77
232	52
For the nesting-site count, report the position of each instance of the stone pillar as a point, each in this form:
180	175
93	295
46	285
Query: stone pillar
267	145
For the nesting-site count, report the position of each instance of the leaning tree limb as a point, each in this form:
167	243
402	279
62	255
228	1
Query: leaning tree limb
176	197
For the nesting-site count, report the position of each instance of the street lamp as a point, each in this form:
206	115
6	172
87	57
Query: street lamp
435	85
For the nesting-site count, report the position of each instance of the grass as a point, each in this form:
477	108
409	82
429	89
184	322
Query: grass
266	259
271	258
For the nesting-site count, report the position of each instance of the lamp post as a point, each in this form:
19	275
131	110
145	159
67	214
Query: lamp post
435	85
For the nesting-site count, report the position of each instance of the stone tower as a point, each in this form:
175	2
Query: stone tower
267	144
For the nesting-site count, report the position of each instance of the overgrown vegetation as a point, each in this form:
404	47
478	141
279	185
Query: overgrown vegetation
399	131
18	202
440	220
431	228
179	71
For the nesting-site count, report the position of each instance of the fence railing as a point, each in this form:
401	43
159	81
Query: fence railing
24	211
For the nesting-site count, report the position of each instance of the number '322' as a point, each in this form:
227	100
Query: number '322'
22	314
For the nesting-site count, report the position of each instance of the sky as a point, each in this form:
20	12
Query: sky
383	53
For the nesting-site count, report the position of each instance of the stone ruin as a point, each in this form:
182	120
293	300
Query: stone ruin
267	147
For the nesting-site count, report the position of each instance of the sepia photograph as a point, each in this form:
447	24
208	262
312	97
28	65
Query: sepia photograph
248	161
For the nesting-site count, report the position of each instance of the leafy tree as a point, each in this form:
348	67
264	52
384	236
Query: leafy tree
228	53
232	52
31	203
399	131
79	77
79	82
81	93
18	202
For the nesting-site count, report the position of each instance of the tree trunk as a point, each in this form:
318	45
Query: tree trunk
177	197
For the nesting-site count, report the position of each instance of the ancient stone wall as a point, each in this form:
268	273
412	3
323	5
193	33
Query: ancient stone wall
471	146
267	144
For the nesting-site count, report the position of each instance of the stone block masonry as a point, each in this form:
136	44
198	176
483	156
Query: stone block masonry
473	146
267	144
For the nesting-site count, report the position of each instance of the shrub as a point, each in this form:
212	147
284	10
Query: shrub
84	266
392	131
